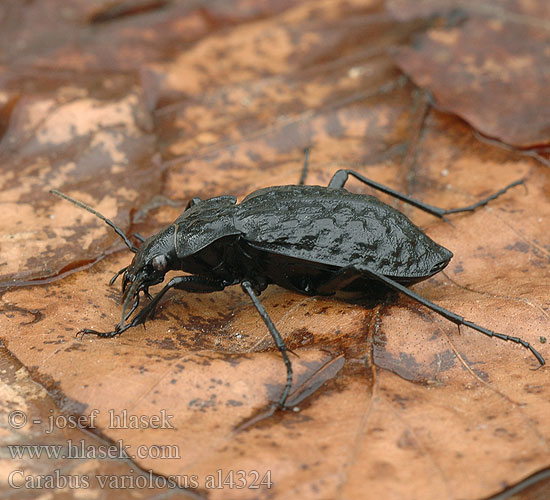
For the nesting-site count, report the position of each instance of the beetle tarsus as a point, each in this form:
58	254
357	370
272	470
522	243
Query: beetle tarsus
484	201
104	335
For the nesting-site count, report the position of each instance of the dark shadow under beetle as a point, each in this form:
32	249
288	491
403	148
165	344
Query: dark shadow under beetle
314	240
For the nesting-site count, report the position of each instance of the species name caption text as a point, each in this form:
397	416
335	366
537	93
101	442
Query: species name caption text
221	479
81	449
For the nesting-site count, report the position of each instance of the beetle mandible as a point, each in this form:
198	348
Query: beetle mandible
313	240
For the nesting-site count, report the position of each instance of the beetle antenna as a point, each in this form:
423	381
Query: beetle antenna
97	214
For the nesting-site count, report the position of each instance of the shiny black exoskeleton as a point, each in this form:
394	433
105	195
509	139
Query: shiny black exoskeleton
310	239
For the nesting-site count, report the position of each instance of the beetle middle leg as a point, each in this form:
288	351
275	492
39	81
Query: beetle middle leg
341	176
279	342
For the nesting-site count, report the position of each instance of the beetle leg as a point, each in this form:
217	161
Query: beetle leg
114	278
303	176
455	318
192	203
279	342
133	308
195	284
105	335
339	179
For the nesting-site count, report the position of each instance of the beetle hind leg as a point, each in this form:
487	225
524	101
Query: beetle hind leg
455	318
340	178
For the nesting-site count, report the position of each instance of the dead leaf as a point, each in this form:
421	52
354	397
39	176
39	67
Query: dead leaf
488	65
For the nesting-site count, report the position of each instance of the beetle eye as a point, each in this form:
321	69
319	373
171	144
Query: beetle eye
160	263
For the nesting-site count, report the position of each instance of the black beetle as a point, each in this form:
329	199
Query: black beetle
310	239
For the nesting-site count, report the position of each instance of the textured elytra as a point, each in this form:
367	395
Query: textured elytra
337	228
203	224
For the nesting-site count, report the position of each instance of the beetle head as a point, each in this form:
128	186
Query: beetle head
153	259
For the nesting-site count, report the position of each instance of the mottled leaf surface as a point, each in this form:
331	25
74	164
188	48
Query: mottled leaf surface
487	62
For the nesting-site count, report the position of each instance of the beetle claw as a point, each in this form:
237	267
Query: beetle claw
87	331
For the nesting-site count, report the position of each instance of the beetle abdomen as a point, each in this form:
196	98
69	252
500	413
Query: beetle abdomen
337	228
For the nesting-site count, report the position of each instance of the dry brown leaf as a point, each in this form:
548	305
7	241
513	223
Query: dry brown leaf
30	416
391	401
488	64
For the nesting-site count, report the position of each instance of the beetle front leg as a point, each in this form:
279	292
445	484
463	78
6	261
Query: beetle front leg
194	284
279	342
340	178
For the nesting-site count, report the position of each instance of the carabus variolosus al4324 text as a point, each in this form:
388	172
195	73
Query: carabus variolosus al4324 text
310	239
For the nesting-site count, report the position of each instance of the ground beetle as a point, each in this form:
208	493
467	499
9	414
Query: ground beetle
310	239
